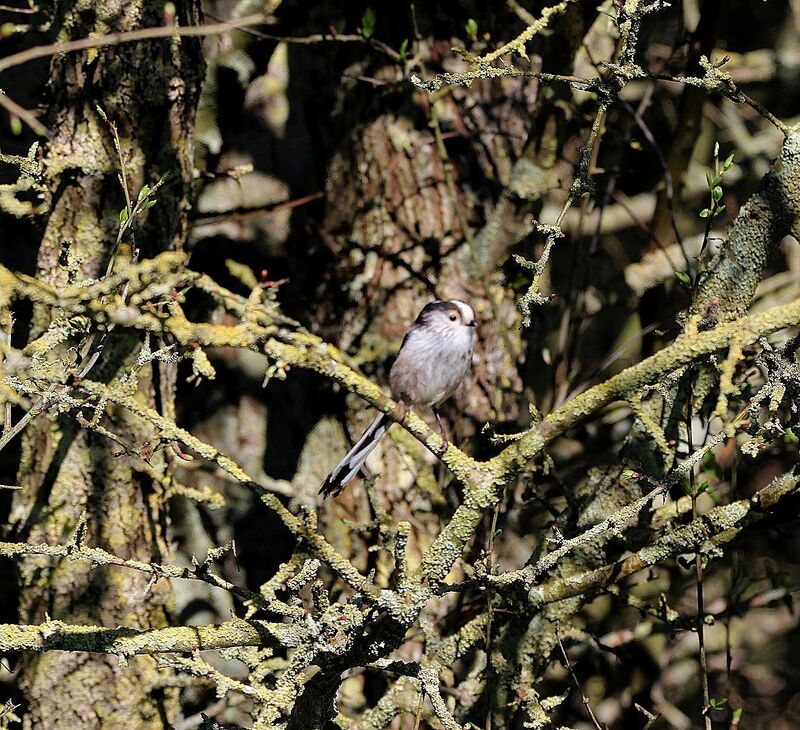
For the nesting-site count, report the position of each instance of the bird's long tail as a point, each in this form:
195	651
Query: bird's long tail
348	467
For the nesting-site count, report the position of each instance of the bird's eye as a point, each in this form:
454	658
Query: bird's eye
452	317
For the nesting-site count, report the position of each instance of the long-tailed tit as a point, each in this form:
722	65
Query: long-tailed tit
434	357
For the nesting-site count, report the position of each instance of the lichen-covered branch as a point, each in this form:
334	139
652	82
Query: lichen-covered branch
719	526
56	635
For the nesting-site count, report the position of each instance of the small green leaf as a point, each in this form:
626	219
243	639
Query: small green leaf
101	113
368	23
123	215
705	213
728	164
737	714
16	125
149	204
718	703
716	193
709	179
144	192
711	465
471	27
720	208
791	436
683	277
403	50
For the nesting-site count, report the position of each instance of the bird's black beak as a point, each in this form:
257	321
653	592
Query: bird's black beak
472	324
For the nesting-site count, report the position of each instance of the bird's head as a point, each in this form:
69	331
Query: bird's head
450	315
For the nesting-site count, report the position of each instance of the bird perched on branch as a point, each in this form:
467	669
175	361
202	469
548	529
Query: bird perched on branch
434	357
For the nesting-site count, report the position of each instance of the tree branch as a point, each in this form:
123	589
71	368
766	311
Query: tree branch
56	635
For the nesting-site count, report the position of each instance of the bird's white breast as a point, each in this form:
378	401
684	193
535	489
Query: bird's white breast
431	364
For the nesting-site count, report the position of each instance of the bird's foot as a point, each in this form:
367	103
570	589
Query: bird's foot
442	429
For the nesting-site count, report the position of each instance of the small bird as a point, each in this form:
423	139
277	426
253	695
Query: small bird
434	357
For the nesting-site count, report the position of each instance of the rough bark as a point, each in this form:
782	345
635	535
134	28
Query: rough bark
66	474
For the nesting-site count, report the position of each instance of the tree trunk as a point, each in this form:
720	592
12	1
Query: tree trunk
67	474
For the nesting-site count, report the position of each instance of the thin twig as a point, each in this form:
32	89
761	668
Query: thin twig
698	562
15	110
130	36
575	679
